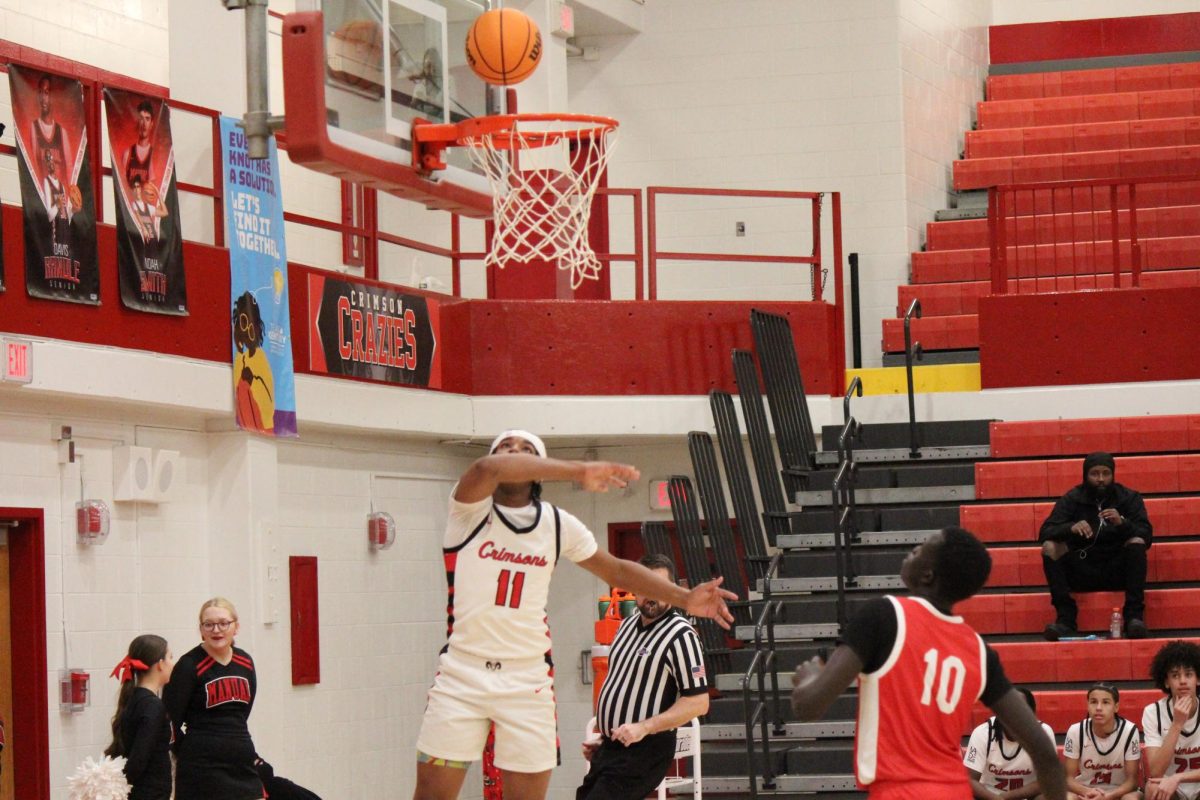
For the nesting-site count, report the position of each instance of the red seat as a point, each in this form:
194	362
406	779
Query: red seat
1156	132
1148	434
1095	164
1001	523
1100	136
994	143
1050	139
1149	474
1166	609
1185	76
947	266
984	612
1149	77
1014	87
1037	169
1088	81
981	173
1011	479
1166	103
1089	435
1108	107
1032	438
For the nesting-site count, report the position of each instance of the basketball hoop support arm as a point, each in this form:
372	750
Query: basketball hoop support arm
258	122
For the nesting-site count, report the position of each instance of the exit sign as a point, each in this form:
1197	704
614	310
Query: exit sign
18	360
660	499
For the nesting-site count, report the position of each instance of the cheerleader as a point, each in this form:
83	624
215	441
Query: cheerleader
140	729
209	702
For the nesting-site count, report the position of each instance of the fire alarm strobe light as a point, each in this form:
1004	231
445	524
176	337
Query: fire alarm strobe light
381	530
91	521
74	690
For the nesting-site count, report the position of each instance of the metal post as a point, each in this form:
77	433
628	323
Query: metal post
855	321
911	351
257	122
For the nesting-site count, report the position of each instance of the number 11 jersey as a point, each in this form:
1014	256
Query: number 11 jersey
499	562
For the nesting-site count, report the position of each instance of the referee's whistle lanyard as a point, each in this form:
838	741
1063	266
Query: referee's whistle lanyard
1083	551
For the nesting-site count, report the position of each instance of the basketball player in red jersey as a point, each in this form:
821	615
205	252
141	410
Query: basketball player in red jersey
920	670
501	546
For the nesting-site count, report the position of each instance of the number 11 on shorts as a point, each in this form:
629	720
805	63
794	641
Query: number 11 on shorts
503	596
950	681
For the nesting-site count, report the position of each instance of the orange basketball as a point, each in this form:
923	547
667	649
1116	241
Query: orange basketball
75	196
504	46
150	193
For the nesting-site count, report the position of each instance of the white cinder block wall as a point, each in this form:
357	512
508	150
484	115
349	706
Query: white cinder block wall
869	98
816	97
1009	12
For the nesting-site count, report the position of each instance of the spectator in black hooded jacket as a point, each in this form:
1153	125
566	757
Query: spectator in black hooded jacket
1096	539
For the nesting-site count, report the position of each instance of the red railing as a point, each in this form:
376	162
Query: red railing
1086	234
813	260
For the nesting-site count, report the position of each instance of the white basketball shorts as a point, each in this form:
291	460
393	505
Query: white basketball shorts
469	694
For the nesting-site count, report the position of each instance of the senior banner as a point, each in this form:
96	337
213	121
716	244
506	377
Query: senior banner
149	240
56	186
263	381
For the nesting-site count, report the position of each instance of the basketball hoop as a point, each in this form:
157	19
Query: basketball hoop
543	170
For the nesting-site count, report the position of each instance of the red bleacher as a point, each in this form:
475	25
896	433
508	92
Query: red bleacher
1045	478
1112	123
1166	561
1030	612
1060	709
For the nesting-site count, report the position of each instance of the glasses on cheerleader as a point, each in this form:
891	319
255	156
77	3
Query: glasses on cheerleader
221	625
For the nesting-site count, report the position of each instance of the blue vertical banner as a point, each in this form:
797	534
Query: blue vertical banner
264	384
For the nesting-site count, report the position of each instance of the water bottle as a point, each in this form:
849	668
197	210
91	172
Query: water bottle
1115	624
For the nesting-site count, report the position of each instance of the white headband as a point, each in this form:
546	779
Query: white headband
537	443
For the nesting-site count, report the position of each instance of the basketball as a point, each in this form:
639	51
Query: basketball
150	193
504	46
75	196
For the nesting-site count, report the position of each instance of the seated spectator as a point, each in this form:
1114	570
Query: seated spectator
1103	751
997	766
1096	539
1171	725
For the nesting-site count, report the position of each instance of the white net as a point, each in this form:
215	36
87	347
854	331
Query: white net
543	173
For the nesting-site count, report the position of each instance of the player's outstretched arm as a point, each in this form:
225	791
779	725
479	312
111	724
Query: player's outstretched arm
817	683
1013	710
485	474
705	600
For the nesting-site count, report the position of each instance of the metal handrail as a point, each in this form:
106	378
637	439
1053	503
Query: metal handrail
910	351
762	663
855	387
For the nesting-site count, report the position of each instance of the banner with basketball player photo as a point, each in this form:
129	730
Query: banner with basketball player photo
56	186
149	240
264	383
369	330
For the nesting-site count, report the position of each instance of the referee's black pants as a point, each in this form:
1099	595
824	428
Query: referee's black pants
628	773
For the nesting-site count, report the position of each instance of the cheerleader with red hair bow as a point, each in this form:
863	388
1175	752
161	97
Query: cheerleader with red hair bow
141	730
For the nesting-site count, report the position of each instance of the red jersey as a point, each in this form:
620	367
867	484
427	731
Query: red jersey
914	709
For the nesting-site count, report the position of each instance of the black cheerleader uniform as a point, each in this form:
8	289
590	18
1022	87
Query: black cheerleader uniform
209	704
146	735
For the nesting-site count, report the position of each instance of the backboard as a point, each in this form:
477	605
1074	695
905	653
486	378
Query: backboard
356	75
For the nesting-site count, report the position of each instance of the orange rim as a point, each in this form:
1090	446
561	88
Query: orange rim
502	130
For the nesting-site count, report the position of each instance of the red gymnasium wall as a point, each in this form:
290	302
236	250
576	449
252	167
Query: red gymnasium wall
489	347
1120	336
1093	38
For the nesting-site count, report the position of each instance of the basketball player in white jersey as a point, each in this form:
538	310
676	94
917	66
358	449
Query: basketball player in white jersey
1171	726
1103	750
997	765
501	545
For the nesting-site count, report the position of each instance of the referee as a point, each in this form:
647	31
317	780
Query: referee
655	683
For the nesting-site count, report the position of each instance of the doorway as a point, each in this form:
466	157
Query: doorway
26	757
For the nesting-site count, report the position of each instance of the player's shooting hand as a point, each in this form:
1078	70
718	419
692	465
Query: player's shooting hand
1082	528
630	733
708	600
600	476
807	671
1184	707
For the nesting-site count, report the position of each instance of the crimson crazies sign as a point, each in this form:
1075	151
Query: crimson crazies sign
365	330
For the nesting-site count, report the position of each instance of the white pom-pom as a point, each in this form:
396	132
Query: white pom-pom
99	780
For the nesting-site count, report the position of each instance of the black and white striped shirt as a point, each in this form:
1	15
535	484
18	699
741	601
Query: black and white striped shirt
648	668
